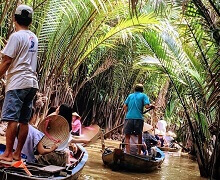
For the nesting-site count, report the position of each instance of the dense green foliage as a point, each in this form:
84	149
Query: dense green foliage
92	52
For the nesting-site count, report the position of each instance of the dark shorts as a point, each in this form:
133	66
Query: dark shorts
18	105
133	126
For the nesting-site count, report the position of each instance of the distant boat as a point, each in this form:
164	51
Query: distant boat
117	159
169	149
42	172
90	133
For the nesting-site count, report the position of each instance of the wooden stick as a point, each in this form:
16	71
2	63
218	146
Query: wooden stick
131	144
114	129
102	140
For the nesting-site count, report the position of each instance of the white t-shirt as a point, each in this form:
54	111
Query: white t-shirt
33	138
64	145
22	46
162	125
168	139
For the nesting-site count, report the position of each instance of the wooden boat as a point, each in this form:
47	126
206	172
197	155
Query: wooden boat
41	172
169	149
90	133
117	159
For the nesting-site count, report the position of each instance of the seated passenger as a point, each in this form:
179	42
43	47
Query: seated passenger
150	142
33	143
168	140
76	124
161	138
61	155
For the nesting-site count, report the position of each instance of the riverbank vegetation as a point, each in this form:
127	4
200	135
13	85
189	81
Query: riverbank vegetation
91	53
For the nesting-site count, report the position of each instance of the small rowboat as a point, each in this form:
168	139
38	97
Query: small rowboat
117	159
169	149
90	133
42	172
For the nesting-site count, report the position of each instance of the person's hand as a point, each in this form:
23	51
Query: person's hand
73	148
54	147
152	106
86	141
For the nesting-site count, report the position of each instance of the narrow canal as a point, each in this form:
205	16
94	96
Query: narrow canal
173	168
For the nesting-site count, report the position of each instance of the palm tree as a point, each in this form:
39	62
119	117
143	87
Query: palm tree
192	64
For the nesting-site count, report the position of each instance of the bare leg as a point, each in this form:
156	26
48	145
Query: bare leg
10	138
23	132
127	142
139	142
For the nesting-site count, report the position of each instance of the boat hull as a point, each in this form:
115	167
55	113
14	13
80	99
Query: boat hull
74	173
117	159
169	149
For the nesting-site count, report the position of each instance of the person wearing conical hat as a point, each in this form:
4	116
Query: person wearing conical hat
168	139
61	155
149	139
76	124
134	120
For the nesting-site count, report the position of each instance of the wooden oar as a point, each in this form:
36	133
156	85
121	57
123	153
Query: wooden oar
187	150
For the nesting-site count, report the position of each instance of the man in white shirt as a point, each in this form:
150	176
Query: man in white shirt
162	125
19	62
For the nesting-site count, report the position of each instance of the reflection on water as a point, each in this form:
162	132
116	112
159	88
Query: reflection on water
173	168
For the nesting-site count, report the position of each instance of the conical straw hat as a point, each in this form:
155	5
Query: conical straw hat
147	127
156	131
161	133
57	128
75	114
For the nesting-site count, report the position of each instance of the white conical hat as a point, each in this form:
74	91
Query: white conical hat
75	114
147	127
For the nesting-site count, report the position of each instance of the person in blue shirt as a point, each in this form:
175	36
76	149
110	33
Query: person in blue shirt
134	119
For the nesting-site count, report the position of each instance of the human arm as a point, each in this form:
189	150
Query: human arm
149	106
4	65
42	150
125	107
9	53
85	141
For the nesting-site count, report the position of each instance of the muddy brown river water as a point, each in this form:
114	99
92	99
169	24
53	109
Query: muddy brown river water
173	168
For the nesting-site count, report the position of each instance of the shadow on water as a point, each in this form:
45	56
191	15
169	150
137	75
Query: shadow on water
173	168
